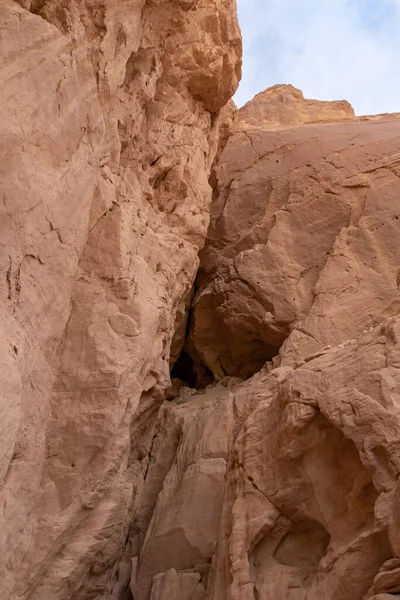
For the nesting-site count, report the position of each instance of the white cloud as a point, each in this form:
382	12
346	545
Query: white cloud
331	49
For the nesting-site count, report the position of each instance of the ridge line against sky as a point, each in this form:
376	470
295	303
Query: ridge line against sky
330	49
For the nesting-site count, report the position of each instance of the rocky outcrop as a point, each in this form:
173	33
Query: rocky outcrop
309	505
268	468
109	128
298	296
285	105
184	491
302	246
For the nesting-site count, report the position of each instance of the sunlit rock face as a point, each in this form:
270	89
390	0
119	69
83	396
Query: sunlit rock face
302	248
297	295
110	119
267	468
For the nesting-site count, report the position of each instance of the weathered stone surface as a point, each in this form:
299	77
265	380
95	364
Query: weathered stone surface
303	239
186	586
388	578
311	456
286	105
187	470
280	480
107	144
317	454
296	268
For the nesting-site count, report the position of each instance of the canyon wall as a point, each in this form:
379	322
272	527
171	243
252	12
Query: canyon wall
281	480
146	226
110	123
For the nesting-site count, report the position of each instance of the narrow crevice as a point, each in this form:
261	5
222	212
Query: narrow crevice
185	370
127	594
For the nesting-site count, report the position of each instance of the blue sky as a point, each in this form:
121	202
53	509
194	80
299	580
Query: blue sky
330	49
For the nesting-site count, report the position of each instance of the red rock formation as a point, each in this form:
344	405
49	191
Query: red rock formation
285	105
302	239
109	128
279	480
298	292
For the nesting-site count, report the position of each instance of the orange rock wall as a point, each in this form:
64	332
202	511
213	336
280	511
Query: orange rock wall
110	117
279	479
297	294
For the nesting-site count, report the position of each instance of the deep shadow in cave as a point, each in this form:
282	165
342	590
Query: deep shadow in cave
249	355
242	351
184	370
192	374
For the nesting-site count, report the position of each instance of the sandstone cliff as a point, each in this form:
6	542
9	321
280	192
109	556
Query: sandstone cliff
110	118
269	470
283	486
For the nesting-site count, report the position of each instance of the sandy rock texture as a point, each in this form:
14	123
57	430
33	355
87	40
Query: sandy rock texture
311	496
268	467
285	105
283	486
109	127
297	295
303	242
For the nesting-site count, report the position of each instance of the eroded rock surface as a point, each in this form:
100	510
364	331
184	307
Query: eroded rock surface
279	480
306	489
298	294
286	105
303	239
110	119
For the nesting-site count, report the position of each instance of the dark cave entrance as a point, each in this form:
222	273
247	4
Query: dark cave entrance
192	374
251	354
241	352
184	370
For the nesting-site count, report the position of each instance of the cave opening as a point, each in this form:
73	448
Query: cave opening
192	374
184	370
240	348
240	356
